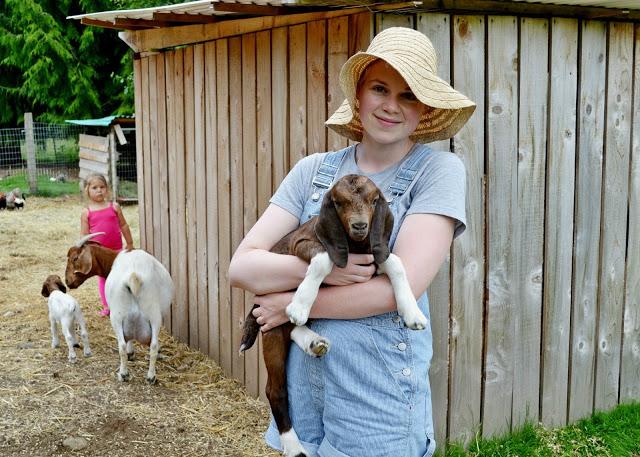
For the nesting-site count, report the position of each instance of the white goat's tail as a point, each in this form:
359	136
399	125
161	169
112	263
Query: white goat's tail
134	283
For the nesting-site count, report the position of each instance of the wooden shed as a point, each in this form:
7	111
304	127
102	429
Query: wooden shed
536	315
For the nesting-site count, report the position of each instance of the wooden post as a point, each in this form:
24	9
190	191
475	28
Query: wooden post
113	153
31	153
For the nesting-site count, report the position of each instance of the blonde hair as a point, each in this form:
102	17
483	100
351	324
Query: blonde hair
93	177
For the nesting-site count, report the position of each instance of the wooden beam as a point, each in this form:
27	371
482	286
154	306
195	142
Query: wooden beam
155	39
526	9
125	23
97	23
185	18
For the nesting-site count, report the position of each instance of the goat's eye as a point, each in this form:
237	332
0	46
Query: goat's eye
374	202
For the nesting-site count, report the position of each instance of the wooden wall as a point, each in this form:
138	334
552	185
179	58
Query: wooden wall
536	314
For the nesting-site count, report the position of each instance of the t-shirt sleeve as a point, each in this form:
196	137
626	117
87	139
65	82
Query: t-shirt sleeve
441	189
292	192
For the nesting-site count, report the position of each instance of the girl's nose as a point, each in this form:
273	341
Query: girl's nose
390	105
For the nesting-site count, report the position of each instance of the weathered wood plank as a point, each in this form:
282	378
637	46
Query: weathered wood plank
437	28
316	86
93	155
529	235
237	193
337	54
386	20
630	366
169	70
224	205
468	263
97	143
146	157
502	192
154	132
201	182
137	81
559	221
211	140
587	223
279	104
297	94
361	29
95	167
263	122
249	181
614	213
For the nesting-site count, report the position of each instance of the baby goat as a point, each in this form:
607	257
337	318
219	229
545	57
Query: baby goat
139	291
65	309
354	217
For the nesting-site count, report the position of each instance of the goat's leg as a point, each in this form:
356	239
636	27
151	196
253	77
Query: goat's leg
123	371
84	335
67	330
309	341
55	342
405	300
153	352
130	351
275	345
319	267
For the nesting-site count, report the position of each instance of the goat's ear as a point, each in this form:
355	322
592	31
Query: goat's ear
45	290
330	232
381	228
85	261
61	286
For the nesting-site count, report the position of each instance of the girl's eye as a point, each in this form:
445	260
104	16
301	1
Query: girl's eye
380	89
410	96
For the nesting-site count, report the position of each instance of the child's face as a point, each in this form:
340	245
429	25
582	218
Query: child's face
97	190
389	111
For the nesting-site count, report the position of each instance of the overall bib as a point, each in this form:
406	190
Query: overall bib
370	395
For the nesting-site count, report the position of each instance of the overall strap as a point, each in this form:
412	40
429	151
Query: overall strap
408	170
328	169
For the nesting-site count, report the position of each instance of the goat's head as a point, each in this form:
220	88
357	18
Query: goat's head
53	282
354	207
79	262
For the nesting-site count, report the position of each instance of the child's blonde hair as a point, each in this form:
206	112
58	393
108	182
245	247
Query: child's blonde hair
93	177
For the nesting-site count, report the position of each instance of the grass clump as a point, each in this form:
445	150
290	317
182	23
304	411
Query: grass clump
46	187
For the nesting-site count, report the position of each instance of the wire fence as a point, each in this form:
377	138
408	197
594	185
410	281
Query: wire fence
57	158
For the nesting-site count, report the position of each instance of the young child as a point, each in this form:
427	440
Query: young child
103	215
370	395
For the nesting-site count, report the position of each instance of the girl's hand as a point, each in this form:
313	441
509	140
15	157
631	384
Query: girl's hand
359	268
130	247
272	311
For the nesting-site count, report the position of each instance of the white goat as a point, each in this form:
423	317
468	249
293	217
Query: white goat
139	290
63	308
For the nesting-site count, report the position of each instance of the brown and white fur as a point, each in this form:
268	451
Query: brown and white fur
139	291
354	217
63	308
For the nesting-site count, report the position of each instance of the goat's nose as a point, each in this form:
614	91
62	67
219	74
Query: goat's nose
359	225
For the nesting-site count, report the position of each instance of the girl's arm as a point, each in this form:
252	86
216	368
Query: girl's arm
124	227
257	270
84	222
422	244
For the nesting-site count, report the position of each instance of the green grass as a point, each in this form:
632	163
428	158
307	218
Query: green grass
612	434
46	188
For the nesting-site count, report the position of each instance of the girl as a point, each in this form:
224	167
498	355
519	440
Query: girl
370	395
103	215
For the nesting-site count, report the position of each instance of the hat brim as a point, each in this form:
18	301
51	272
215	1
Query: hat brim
448	109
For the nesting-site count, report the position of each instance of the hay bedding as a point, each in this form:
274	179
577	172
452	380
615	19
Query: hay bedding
49	407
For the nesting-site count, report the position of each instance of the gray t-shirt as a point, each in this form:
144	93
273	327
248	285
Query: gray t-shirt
438	188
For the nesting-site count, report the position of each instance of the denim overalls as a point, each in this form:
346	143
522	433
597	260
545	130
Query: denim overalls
370	395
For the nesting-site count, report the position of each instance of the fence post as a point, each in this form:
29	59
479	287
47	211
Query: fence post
113	158
31	153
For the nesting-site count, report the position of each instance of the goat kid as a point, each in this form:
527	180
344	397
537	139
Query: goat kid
139	291
354	217
63	308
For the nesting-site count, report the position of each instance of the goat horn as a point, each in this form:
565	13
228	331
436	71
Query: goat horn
86	238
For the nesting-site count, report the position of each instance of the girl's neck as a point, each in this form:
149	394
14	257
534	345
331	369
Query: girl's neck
373	157
93	205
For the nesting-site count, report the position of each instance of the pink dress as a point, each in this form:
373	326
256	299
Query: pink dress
105	220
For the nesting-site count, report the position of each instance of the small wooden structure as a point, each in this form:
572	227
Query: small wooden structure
536	315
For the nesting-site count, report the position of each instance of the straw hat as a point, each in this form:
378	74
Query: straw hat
412	55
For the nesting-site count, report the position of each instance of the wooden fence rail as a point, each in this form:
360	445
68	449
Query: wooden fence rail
536	314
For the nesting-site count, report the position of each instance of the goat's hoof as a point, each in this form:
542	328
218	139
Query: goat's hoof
131	356
123	377
73	359
297	314
88	353
151	381
416	321
319	347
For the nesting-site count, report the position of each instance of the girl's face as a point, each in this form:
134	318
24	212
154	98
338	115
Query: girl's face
97	190
388	110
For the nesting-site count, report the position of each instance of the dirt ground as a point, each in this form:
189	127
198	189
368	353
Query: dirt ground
49	407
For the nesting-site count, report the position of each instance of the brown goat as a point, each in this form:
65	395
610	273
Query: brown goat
354	217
